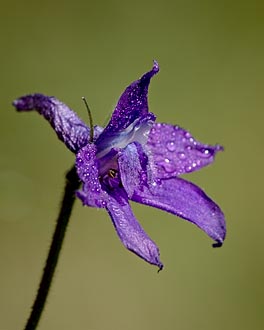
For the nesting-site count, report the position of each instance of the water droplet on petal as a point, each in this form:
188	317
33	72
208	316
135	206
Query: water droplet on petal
206	153
171	146
187	135
188	168
168	166
181	155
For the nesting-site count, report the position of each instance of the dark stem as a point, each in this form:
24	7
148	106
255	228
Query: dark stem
72	184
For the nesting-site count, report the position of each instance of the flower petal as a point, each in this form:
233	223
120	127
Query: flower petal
176	152
132	104
187	201
92	193
129	230
138	131
68	126
134	168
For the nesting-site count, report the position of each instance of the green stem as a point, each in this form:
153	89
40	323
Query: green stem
72	184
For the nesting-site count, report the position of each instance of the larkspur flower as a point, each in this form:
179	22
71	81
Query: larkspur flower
134	158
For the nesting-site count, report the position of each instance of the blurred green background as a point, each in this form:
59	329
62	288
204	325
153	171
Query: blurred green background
211	56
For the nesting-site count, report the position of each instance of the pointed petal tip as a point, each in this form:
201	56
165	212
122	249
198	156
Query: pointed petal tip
217	244
155	67
218	147
22	103
26	102
160	265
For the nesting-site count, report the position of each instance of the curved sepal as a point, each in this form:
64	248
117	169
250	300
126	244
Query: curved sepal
69	127
187	201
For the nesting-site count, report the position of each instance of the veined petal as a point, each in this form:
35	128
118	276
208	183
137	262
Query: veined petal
176	152
138	131
129	230
187	201
92	193
69	127
134	168
132	104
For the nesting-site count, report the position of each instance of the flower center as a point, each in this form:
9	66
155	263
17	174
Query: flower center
109	149
138	131
110	180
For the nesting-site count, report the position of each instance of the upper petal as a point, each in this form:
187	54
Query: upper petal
68	126
187	201
132	104
129	230
92	193
176	152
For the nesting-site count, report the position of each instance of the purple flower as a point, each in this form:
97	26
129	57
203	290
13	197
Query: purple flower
134	158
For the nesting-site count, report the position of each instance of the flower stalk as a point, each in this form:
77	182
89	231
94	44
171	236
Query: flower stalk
72	184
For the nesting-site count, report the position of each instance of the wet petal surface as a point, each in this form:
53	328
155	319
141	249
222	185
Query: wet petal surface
176	152
187	201
92	193
129	230
69	127
132	104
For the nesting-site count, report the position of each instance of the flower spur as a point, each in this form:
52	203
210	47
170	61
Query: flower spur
134	158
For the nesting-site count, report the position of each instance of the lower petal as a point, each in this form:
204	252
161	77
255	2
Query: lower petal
129	230
187	201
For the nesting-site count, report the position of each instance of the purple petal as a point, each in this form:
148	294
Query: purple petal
187	201
138	131
176	152
134	168
92	193
68	126
128	229
132	104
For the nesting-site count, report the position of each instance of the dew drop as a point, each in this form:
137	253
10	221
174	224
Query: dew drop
188	168
187	135
206	153
181	155
171	146
169	168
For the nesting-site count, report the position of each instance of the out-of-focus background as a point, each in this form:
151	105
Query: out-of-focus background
211	56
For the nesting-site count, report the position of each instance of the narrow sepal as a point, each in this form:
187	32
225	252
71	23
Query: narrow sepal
187	201
69	127
129	230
